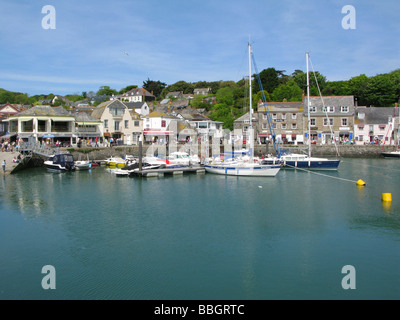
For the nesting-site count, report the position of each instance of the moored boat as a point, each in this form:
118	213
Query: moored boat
60	163
391	154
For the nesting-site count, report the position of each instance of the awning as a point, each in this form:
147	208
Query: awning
87	135
263	134
107	134
283	135
157	133
8	136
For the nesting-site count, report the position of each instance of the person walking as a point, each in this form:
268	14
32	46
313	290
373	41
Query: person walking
4	165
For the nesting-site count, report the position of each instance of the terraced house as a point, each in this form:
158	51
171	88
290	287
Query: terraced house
286	120
52	124
331	117
117	122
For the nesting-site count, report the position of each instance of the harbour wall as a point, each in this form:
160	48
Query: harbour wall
348	151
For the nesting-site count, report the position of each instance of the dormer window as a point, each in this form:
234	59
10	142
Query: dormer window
344	109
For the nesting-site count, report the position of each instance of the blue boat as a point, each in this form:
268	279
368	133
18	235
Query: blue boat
62	162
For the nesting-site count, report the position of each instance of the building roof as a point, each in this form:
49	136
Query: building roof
375	115
246	117
135	105
85	117
329	101
281	106
137	92
42	110
99	110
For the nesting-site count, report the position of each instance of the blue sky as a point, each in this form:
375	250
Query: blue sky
190	40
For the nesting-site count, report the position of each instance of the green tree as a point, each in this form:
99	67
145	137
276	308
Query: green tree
126	89
6	97
106	91
289	92
259	96
381	91
269	80
156	87
222	112
337	88
225	95
301	81
197	102
180	86
357	86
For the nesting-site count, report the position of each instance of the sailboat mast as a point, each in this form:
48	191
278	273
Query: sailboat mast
308	108
251	106
250	87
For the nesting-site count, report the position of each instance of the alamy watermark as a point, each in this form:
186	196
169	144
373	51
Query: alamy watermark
49	20
349	280
349	20
49	280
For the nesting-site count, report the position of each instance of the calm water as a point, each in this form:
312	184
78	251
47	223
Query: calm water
201	236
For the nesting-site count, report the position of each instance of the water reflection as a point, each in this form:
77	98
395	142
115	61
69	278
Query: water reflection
205	236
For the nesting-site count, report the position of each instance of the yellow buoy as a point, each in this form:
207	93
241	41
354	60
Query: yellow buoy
360	183
387	197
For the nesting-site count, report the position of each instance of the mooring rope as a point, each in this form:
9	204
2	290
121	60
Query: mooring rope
321	174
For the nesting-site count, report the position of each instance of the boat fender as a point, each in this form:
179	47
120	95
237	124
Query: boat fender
68	167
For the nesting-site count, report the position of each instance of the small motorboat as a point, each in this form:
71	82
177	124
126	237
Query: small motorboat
83	164
60	163
115	162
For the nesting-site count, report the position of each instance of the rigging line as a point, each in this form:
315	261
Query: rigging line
323	106
390	127
321	174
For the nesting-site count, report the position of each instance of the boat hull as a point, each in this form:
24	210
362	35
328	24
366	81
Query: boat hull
83	165
57	168
394	154
312	164
249	171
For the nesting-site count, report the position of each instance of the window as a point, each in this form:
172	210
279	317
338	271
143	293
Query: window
344	122
344	109
163	123
326	123
136	123
283	115
294	125
361	137
117	112
371	128
274	116
329	109
105	123
126	124
265	126
361	128
116	125
294	116
313	109
283	126
274	125
312	122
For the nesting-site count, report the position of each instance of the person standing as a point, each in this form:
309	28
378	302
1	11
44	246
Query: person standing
4	165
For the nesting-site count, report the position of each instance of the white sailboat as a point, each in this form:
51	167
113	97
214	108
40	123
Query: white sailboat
241	166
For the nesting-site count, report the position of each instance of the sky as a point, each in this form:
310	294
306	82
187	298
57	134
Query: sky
125	42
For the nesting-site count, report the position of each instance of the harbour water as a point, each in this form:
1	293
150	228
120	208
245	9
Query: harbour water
202	236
